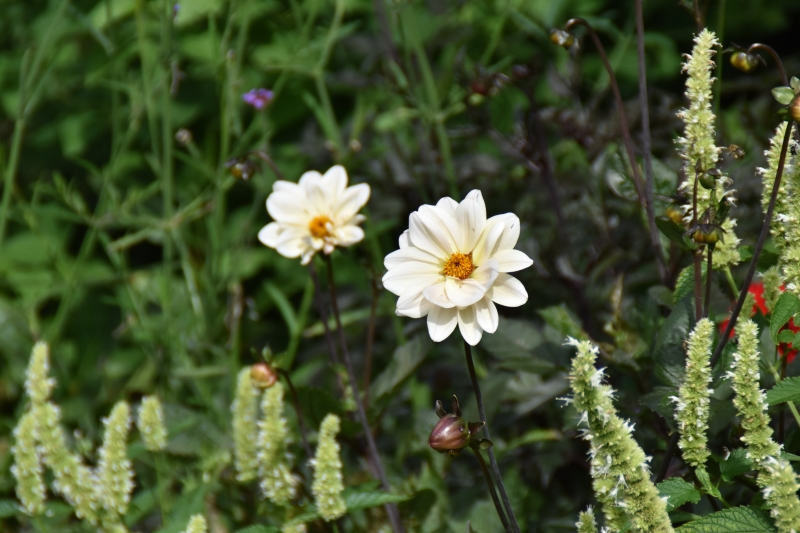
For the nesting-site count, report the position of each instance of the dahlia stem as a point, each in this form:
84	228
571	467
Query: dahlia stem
775	57
492	460
709	270
301	423
391	509
762	238
497	505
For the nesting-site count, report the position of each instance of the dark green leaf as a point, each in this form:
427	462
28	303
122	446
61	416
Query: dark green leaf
788	305
658	400
705	481
405	361
787	390
786	336
736	464
563	321
669	354
685	283
258	528
514	339
674	232
355	498
677	491
736	519
9	508
790	457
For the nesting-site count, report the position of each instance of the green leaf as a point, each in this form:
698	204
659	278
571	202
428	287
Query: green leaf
658	400
9	508
794	83
674	232
685	283
786	335
677	491
563	320
766	260
738	519
736	464
705	480
405	361
784	95
787	390
669	353
355	498
790	457
788	305
258	528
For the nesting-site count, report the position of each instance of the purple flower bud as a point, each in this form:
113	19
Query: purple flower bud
258	98
450	434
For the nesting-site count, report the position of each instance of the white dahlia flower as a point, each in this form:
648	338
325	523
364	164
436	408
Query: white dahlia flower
453	266
318	213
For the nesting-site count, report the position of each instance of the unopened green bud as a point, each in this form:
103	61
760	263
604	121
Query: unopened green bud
562	38
277	480
745	62
245	429
38	383
27	469
151	424
328	484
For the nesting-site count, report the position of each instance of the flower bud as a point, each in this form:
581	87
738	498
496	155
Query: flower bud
451	433
709	234
794	108
183	136
745	62
263	376
242	168
562	38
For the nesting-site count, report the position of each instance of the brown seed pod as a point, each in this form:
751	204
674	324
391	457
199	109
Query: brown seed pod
263	376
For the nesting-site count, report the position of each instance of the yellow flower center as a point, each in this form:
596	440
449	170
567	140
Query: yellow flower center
459	266
318	226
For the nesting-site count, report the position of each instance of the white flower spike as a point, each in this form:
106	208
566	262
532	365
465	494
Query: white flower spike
452	266
317	213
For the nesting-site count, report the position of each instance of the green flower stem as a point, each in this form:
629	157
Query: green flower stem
492	460
301	423
762	238
731	282
391	508
497	505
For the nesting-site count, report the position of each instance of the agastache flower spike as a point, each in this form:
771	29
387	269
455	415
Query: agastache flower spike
197	524
586	522
151	424
245	429
619	467
115	472
698	144
27	468
328	485
778	227
776	475
277	481
694	396
38	383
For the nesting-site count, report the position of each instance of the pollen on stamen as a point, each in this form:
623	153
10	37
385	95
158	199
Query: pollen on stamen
319	226
459	266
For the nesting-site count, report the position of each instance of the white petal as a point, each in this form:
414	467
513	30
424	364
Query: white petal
404	242
399	278
486	273
471	219
287	186
348	235
288	208
319	202
487	243
269	234
441	219
447	204
350	202
441	323
291	244
508	291
430	238
512	260
308	255
464	293
410	254
335	181
437	294
468	325
511	233
486	313
412	303
312	177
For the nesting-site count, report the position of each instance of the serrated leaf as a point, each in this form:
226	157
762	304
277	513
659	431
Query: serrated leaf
738	519
786	335
355	498
787	390
677	491
784	95
705	481
736	464
787	306
685	283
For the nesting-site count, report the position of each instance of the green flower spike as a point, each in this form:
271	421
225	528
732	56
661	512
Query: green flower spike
776	476
619	467
114	471
38	383
586	522
197	524
328	486
698	144
151	424
277	480
694	396
27	469
778	228
773	281
245	428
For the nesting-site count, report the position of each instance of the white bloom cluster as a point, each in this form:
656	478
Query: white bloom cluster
197	524
27	468
277	480
328	484
150	423
114	470
245	429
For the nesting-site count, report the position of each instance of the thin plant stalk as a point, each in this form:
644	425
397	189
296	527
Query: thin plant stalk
775	57
391	508
301	423
762	238
373	315
709	270
497	505
492	460
323	317
672	445
646	147
628	142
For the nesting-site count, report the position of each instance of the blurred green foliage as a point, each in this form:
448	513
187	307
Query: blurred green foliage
135	255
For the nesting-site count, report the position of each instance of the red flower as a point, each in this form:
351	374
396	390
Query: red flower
760	306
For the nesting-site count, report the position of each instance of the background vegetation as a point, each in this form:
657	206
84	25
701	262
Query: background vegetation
135	255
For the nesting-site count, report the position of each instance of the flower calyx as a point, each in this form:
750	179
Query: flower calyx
241	168
451	434
562	38
708	229
744	60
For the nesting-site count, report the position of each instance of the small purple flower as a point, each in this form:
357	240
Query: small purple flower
258	98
